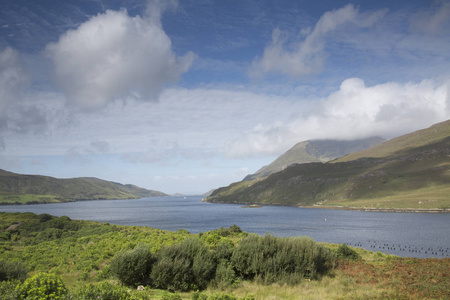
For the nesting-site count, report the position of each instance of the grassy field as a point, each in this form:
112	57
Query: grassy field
81	252
428	198
28	199
424	137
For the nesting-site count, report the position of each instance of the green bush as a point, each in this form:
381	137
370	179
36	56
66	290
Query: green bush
44	218
12	270
171	297
8	290
225	275
345	252
188	265
42	286
275	259
104	291
133	267
224	250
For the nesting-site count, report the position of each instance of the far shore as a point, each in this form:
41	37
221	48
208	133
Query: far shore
252	206
403	210
409	210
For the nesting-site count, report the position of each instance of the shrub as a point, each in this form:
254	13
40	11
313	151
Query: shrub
12	270
171	297
234	229
105	291
280	259
345	252
42	286
44	218
133	267
184	266
225	275
8	290
224	250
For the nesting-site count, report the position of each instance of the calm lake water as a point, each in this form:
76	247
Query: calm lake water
403	234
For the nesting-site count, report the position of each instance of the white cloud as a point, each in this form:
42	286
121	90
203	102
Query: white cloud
100	146
435	20
113	55
12	78
354	111
308	56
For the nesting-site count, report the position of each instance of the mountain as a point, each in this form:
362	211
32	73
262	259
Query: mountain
30	189
408	172
314	151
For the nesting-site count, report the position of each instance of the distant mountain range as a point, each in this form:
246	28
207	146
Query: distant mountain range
31	189
315	151
408	172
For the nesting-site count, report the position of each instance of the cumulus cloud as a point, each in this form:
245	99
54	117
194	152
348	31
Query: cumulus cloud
354	111
308	56
113	55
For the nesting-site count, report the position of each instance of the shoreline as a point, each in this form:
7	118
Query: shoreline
406	210
398	210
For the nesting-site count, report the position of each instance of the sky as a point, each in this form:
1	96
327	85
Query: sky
190	95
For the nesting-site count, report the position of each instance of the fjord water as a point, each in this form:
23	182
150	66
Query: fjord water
403	234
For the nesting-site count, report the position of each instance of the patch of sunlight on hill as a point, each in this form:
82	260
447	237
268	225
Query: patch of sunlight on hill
425	198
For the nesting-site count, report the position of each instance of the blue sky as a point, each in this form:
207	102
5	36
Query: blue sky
186	96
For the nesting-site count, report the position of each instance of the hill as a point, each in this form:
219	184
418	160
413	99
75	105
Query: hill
32	189
408	172
314	151
423	137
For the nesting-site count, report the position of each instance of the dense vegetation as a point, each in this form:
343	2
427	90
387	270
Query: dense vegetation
412	171
46	257
33	189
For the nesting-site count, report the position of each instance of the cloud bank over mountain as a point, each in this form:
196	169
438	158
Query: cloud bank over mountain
354	111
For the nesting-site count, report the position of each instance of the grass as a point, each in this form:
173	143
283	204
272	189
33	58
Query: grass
28	199
375	277
418	179
415	139
31	189
84	249
431	197
411	171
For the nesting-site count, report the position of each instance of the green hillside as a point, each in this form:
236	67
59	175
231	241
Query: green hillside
314	151
423	137
409	172
31	189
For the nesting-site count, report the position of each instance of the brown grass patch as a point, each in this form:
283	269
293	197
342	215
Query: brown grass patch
408	277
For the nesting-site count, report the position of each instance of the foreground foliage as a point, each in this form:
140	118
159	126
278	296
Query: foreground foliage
273	259
133	267
69	259
42	286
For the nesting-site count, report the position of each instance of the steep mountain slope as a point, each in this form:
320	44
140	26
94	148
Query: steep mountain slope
27	189
423	137
314	151
412	171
